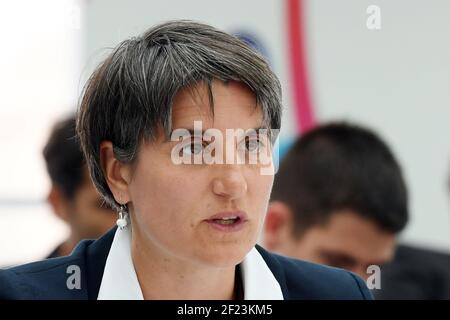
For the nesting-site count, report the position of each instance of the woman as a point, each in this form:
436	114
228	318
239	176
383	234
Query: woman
191	202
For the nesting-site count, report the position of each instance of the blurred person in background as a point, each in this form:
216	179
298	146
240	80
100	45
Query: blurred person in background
416	273
72	195
339	199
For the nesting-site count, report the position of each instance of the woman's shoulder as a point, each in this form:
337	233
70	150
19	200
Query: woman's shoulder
306	280
77	276
55	278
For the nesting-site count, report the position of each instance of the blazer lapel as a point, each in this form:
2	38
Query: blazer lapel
96	255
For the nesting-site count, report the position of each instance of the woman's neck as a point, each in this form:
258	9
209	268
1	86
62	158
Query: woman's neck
164	277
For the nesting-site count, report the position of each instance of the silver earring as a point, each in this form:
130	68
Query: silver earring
122	222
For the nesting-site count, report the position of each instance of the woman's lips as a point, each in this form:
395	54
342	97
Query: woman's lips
228	221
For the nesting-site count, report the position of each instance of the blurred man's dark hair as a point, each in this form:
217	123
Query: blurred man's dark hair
342	166
72	195
416	273
337	178
64	158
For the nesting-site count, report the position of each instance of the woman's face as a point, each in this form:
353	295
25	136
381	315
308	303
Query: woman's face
188	211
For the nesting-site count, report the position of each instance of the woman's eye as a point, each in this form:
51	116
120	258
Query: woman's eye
253	144
192	148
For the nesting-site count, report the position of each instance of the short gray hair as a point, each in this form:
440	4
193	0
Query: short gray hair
130	94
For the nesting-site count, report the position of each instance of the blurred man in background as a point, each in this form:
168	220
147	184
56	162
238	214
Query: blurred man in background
339	199
416	273
72	195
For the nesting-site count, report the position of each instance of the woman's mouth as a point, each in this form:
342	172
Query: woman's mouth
228	221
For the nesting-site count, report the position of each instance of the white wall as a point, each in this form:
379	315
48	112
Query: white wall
39	63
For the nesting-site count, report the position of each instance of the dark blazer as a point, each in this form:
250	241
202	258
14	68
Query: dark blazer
417	274
47	279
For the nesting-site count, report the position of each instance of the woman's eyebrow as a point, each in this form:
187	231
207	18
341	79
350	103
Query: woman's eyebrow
195	133
190	131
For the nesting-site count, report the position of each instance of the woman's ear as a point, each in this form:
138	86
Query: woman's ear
117	173
277	226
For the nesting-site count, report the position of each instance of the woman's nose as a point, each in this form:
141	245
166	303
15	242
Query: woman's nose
229	182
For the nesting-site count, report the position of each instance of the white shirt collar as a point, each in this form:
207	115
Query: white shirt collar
120	282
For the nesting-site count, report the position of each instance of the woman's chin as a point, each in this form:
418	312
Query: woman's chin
224	255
